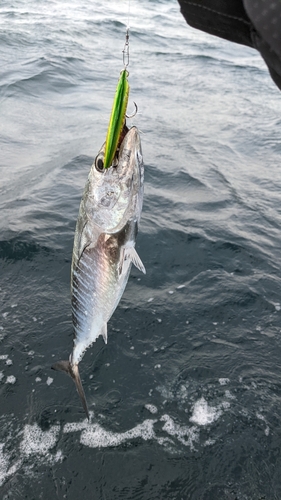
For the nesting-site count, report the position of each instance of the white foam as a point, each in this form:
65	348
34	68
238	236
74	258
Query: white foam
5	470
209	442
95	436
9	362
1	376
165	392
229	395
165	441
151	408
75	427
203	414
261	417
3	356
11	379
151	299
38	442
3	464
223	381
38	379
226	404
183	392
35	443
38	445
185	435
49	380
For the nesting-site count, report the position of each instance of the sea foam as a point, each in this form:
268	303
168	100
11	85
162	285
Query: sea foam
95	436
36	441
203	414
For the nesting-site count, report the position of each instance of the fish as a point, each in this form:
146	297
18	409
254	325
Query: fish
104	246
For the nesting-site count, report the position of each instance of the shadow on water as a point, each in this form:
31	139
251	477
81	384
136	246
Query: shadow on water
20	249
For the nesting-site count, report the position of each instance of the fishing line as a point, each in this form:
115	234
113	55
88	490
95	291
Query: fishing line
126	54
129	13
117	127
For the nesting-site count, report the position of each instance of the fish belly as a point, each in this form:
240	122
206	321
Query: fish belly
98	284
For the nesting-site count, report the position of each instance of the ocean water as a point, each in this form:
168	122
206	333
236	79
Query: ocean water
185	399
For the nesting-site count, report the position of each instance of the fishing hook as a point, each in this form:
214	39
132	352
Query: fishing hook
134	114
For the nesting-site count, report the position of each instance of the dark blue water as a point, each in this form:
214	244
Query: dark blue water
185	398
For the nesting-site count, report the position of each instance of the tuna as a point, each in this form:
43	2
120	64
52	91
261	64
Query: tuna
104	247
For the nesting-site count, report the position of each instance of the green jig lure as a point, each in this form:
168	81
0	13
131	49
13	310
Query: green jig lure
117	118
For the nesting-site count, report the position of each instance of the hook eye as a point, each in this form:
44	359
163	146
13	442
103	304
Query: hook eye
99	163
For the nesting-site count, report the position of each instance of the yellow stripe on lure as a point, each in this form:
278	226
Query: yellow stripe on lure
117	118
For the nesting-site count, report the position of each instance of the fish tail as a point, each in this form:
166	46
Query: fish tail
73	372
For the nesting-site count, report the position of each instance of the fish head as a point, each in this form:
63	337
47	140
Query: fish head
115	194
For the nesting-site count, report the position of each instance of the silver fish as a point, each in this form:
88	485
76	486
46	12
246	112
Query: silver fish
104	247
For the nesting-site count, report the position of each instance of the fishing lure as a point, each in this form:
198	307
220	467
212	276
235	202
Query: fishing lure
117	123
117	118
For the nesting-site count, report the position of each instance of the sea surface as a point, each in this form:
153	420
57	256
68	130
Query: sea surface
185	399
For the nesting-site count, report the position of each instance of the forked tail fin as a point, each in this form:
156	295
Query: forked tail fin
73	372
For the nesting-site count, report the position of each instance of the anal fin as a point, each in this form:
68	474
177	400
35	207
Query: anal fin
129	254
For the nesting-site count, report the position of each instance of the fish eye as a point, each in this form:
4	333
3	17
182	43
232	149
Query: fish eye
99	164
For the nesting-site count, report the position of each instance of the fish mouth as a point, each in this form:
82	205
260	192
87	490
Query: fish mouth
126	146
123	134
129	142
128	168
115	160
114	192
127	158
127	155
